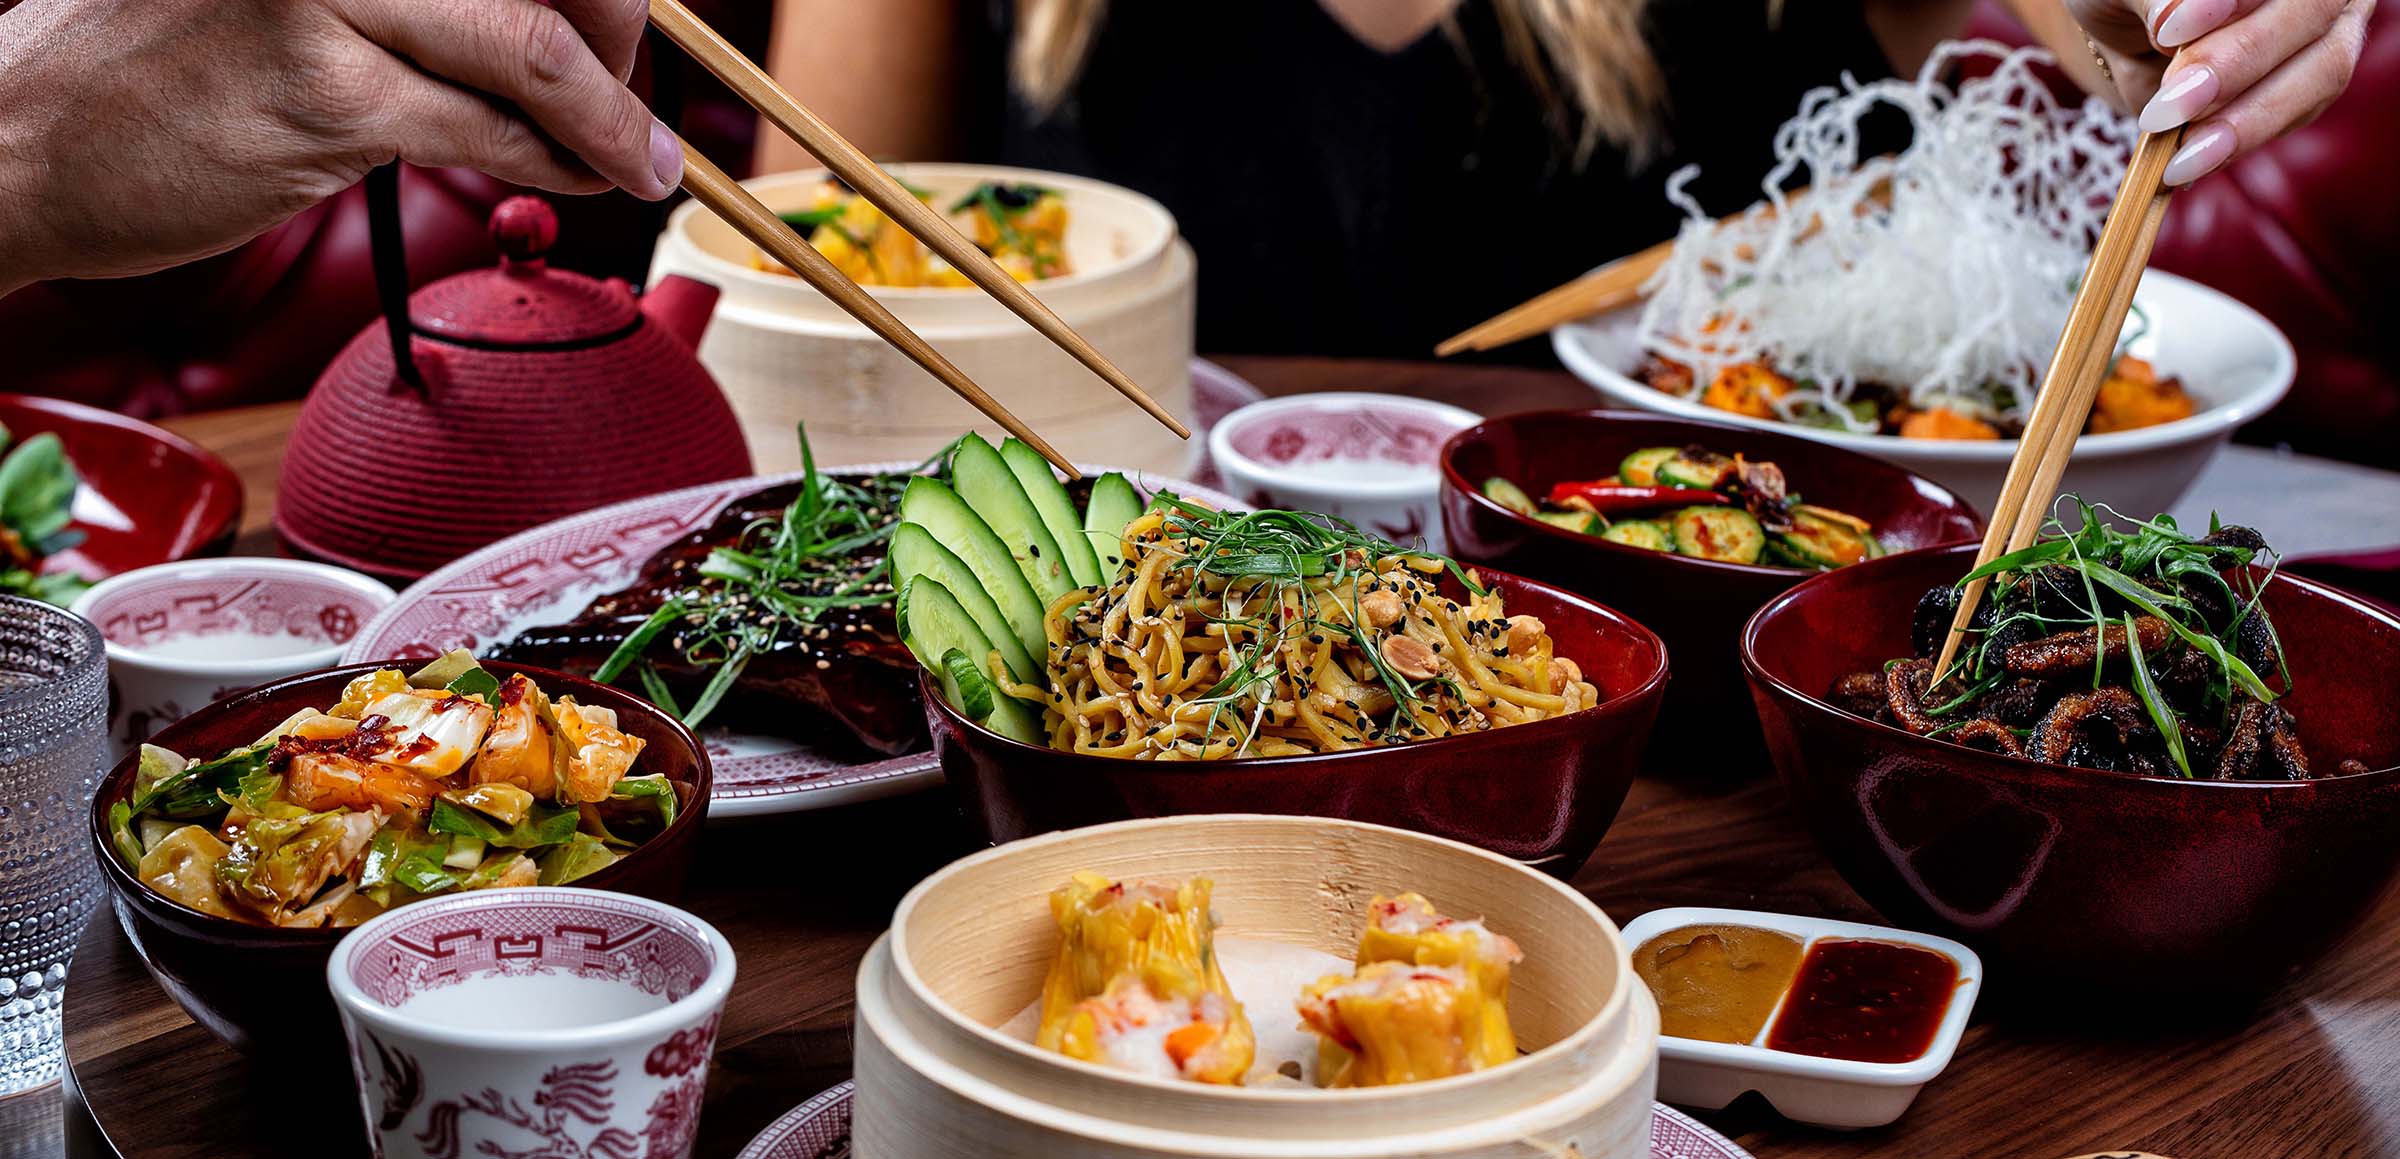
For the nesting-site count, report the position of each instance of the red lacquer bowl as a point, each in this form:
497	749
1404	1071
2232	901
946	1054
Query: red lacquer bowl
262	989
148	496
1543	793
2128	883
1697	606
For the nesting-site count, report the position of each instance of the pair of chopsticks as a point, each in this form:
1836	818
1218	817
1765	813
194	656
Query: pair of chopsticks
2076	371
726	198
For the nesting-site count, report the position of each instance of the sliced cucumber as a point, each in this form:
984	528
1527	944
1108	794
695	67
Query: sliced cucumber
916	552
1114	504
1579	522
1057	509
1820	542
988	486
1724	534
965	686
934	625
1643	533
931	504
1640	469
1702	470
1508	495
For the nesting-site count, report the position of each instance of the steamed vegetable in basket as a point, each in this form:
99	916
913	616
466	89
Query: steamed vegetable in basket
410	786
2147	652
1696	502
1023	227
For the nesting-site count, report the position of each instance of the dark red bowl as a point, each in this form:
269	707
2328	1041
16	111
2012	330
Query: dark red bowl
1697	606
2129	883
261	988
1542	792
151	496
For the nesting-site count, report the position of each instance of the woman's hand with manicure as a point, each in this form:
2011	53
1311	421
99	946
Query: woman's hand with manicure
2238	73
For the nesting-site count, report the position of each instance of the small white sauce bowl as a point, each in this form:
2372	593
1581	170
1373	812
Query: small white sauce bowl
183	634
1373	459
525	1021
1825	1092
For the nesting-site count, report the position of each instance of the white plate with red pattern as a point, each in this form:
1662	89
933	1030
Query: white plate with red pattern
548	574
820	1129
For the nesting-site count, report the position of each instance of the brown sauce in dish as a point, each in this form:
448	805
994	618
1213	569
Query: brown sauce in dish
1717	983
1865	1001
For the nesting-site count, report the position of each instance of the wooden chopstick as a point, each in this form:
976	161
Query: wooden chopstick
726	198
2076	371
1613	286
744	77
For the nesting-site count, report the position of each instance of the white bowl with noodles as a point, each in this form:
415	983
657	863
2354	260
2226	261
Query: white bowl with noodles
2235	364
785	353
939	1074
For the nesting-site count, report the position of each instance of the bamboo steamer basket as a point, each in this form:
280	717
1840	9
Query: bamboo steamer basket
784	353
969	947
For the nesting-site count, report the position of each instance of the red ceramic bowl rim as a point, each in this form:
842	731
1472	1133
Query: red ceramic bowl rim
1761	677
122	879
1650	684
225	505
1452	479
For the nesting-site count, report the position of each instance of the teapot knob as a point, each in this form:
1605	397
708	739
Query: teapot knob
524	228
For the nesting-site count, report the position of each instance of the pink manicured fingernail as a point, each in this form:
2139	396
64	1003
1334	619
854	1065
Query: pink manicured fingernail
666	156
2189	20
2184	93
2202	152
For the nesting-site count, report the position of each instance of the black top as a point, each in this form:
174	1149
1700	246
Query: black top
1345	201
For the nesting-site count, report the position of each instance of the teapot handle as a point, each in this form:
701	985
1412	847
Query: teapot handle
391	269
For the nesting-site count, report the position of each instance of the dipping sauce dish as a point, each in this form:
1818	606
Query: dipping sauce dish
1837	1024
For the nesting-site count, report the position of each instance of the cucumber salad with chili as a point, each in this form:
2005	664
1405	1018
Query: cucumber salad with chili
1696	502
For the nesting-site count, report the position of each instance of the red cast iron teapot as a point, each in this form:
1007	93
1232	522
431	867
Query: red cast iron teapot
499	399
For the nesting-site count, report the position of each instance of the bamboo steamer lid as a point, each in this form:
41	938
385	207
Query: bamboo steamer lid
969	946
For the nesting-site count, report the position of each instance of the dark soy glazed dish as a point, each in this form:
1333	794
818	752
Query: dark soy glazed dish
1697	606
2133	887
262	988
1543	792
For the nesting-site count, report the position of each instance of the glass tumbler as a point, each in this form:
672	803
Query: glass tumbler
53	744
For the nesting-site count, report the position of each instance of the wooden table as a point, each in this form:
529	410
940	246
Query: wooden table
2315	1072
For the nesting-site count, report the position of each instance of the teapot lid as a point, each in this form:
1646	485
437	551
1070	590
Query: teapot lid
522	302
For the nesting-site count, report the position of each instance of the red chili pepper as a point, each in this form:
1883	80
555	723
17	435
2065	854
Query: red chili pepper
1608	498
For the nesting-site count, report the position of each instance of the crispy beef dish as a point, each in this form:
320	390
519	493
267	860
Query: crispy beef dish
775	618
2147	652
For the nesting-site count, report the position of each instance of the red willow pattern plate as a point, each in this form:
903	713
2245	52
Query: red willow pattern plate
820	1129
549	573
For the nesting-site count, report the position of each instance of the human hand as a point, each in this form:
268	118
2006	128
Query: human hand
2240	73
139	134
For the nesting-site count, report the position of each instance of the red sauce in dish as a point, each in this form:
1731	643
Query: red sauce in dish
1865	1001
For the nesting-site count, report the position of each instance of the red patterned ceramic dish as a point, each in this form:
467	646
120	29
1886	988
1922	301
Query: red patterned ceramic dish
186	633
820	1129
548	574
2129	885
260	988
147	497
531	1021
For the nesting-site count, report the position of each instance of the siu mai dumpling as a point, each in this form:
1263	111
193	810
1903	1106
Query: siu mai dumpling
1133	1026
1142	942
1398	1023
1408	930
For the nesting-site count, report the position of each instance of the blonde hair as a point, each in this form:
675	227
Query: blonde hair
1586	60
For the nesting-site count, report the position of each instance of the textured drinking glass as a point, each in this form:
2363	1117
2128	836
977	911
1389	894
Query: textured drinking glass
53	738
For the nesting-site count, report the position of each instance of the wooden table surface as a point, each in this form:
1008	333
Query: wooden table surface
2315	1071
